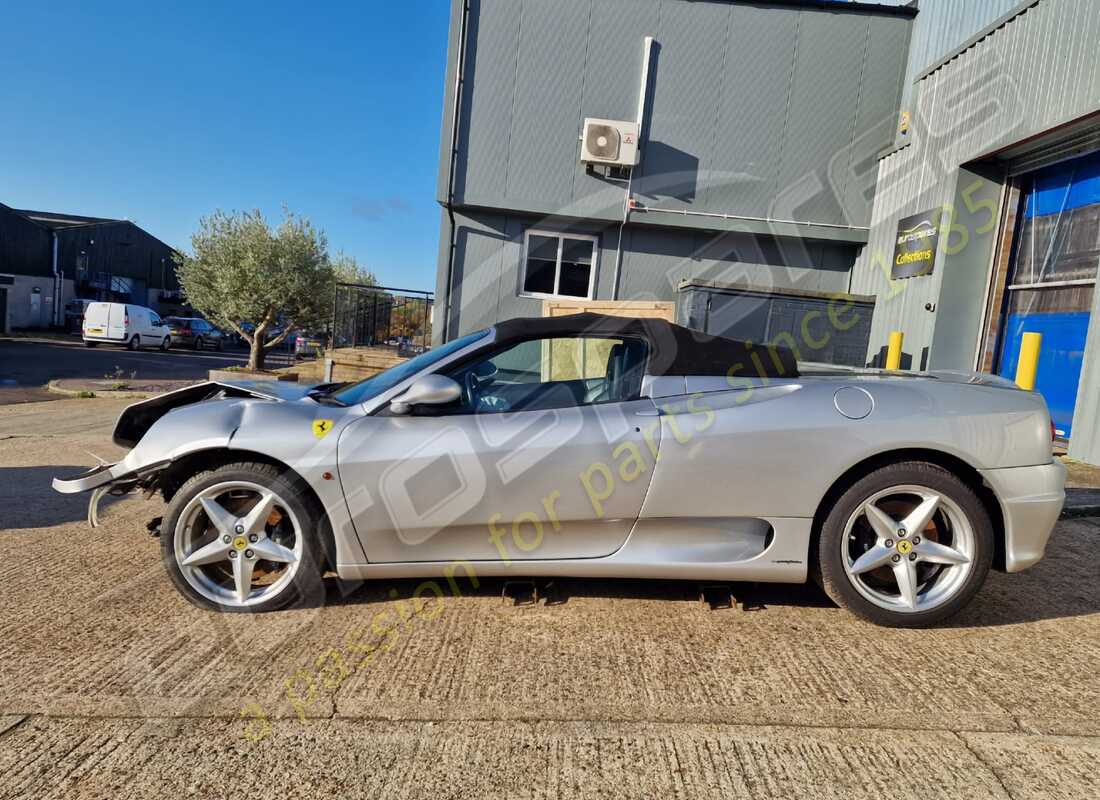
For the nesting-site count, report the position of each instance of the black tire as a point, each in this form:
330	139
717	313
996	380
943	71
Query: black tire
834	579
134	343
166	343
219	345
90	344
198	343
307	586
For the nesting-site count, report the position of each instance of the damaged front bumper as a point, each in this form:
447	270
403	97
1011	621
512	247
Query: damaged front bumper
104	479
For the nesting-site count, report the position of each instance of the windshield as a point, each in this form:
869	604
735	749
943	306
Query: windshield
371	387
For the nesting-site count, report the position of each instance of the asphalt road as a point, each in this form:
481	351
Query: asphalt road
112	685
26	367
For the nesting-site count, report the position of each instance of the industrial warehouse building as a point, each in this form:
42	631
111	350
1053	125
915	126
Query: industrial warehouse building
48	259
814	173
757	128
1002	156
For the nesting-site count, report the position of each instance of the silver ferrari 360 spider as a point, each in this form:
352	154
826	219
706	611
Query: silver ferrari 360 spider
594	446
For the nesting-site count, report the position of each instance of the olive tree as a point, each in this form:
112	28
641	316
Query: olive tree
244	275
348	270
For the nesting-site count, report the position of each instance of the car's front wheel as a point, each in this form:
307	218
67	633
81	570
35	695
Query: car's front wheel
243	538
907	546
134	343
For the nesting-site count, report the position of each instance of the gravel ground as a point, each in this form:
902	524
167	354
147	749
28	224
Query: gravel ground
110	684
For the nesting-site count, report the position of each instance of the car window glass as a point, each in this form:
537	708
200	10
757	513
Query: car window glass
557	372
373	386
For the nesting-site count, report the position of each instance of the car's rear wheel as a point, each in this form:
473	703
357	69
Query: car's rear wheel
134	343
198	343
243	538
166	343
908	545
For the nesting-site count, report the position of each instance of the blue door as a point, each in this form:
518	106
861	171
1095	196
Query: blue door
1053	278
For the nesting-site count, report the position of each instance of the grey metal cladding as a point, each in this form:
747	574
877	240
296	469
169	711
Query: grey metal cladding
823	103
943	25
612	75
476	289
721	136
549	80
655	261
876	119
490	79
756	78
444	175
687	87
1038	70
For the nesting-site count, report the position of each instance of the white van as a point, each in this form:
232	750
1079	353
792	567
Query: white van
123	323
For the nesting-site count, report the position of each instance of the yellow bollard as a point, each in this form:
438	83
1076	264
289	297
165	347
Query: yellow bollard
1028	364
893	352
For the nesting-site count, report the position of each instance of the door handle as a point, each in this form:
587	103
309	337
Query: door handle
654	412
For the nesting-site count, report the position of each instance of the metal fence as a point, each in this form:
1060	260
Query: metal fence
374	316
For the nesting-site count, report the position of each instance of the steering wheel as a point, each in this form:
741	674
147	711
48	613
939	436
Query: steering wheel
472	389
475	381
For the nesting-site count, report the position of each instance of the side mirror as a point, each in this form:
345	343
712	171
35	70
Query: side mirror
431	390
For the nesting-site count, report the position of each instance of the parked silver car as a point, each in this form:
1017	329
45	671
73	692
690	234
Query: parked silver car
602	447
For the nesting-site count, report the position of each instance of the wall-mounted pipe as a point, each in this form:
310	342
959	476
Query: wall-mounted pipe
643	89
643	93
771	220
456	108
55	312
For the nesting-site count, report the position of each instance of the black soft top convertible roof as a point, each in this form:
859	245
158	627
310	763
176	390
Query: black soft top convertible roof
673	349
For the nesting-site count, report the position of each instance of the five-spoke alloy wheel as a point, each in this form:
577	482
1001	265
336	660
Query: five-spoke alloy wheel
908	545
242	538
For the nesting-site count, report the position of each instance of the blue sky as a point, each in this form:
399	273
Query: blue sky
162	115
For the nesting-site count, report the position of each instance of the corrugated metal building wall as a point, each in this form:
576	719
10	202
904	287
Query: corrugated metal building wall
763	111
89	256
733	89
943	25
1037	71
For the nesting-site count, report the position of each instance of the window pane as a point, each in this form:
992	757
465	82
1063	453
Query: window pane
574	279
520	364
540	276
542	258
579	251
554	373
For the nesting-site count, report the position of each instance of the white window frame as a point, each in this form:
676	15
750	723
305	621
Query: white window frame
561	237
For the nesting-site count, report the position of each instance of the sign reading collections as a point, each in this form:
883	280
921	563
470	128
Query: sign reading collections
915	248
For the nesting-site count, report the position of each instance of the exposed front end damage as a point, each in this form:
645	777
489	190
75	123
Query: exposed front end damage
204	416
113	479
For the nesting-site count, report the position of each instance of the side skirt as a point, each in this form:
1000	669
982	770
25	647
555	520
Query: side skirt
656	548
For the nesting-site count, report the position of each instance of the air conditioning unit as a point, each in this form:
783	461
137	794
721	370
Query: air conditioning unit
611	142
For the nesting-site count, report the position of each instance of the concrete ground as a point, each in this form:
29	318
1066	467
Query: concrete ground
112	685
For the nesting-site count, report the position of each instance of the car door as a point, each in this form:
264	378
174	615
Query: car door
157	331
139	324
550	469
117	326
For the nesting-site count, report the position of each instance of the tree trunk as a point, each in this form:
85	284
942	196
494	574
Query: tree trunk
256	355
